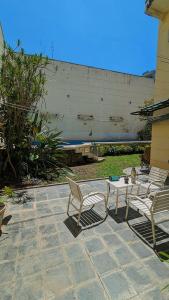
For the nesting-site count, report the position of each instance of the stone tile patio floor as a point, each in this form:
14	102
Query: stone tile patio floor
41	259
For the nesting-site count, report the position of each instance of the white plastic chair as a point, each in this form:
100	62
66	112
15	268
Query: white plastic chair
156	180
150	207
78	201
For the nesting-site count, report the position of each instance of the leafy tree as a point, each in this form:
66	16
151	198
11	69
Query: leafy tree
146	133
22	91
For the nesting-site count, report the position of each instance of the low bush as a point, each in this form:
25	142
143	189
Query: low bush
107	150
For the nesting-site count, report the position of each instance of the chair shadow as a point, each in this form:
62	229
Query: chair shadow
88	219
144	231
120	217
162	251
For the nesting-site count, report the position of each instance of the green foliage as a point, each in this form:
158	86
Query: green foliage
22	92
2	201
114	165
146	132
105	150
8	191
47	159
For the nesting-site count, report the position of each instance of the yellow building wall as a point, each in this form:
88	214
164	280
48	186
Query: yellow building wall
160	132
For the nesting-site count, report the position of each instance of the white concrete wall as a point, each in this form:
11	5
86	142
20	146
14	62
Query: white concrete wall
75	89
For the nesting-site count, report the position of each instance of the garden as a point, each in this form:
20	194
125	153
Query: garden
30	152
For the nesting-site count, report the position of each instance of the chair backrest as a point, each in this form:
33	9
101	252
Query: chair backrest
158	174
75	190
161	201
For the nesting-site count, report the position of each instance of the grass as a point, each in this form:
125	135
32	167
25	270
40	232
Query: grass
112	165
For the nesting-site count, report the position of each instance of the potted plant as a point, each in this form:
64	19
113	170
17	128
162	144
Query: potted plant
2	209
7	192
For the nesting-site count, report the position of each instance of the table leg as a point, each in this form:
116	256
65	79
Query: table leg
127	203
108	192
117	201
126	193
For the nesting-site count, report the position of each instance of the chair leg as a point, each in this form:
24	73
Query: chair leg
80	212
106	207
68	204
127	211
78	220
153	231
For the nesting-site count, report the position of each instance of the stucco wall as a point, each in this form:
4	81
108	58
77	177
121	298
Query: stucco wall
75	89
160	136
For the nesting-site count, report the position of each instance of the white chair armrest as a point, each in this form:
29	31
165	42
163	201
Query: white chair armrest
140	200
153	182
93	194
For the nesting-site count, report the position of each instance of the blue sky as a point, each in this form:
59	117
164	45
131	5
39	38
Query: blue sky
109	34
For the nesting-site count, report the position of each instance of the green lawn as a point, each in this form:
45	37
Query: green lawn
112	165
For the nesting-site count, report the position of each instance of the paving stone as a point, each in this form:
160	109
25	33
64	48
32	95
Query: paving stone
43	212
31	289
112	240
28	233
29	265
42	205
57	280
27	205
128	235
58	209
47	229
75	252
89	233
48	220
66	237
91	291
141	250
6	292
154	294
63	194
118	287
14	227
46	248
160	269
116	226
69	295
60	226
82	271
24	216
103	228
8	252
104	262
15	217
28	247
139	277
7	272
52	257
41	196
94	245
50	241
30	224
124	255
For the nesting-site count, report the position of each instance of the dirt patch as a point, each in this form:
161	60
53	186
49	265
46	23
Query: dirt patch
85	171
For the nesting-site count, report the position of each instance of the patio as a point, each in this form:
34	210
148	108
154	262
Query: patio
43	255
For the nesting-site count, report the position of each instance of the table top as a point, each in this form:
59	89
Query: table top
121	184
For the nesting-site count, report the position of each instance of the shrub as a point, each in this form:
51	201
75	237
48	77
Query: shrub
106	150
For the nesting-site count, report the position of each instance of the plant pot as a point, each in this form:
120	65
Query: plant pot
2	210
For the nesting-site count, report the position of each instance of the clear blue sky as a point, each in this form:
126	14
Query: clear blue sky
110	34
